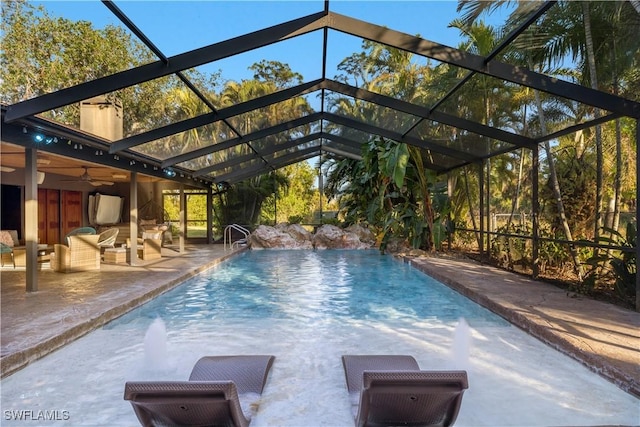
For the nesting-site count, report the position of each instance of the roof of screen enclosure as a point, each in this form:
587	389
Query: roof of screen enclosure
326	132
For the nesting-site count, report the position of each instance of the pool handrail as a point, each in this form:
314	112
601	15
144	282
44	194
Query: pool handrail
227	234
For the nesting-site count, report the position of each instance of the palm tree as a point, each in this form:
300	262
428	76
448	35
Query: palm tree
243	202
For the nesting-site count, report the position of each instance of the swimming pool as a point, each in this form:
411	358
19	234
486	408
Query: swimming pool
308	308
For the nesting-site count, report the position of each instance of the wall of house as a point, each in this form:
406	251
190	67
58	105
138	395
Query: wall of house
12	208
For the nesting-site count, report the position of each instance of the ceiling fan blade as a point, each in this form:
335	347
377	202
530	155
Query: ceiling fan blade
96	183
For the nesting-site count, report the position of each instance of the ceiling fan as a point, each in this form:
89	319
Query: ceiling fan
85	177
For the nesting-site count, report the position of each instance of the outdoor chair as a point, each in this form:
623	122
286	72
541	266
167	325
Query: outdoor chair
393	391
81	254
6	254
221	391
107	239
149	245
79	231
8	241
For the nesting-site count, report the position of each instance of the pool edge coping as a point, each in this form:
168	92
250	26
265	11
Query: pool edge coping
594	363
14	362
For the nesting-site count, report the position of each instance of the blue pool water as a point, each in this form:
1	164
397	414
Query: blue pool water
320	285
309	308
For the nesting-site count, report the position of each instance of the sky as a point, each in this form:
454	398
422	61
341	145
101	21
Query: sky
179	26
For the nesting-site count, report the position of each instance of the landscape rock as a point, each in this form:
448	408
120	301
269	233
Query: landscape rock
266	237
397	245
294	236
364	234
332	237
299	233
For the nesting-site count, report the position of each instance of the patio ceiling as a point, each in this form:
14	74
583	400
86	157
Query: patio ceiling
323	131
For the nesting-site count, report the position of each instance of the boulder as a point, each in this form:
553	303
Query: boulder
364	234
266	237
397	245
332	237
299	233
294	236
282	226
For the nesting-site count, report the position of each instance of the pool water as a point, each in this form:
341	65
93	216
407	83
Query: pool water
308	308
311	286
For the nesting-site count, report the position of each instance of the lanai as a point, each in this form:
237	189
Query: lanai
325	132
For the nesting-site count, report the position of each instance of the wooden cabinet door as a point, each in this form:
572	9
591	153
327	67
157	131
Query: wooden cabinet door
71	209
48	216
42	215
53	216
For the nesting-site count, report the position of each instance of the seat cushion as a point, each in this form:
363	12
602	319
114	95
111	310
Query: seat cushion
9	237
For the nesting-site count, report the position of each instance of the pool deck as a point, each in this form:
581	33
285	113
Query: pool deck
603	337
67	306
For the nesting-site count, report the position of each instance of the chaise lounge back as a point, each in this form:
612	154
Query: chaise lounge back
391	390
218	392
81	254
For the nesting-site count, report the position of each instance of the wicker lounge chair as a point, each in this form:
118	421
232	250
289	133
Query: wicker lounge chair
149	245
211	397
393	391
81	254
79	231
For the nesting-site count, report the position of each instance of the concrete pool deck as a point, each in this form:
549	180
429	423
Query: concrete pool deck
67	306
603	337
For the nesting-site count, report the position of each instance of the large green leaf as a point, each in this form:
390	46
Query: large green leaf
396	165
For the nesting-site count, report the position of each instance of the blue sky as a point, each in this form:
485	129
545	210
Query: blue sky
179	26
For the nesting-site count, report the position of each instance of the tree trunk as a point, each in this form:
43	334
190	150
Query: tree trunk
515	205
473	218
618	178
599	156
556	188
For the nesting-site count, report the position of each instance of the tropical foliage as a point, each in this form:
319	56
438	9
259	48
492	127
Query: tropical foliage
586	180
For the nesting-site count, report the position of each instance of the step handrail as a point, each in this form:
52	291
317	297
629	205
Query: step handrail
227	232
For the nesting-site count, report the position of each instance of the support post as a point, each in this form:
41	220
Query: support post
535	212
133	218
320	186
481	207
637	201
451	185
275	201
183	216
31	218
488	205
209	215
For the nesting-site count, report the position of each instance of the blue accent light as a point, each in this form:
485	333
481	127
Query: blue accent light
38	137
170	173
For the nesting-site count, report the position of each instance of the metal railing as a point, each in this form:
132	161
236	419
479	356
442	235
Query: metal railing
228	237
